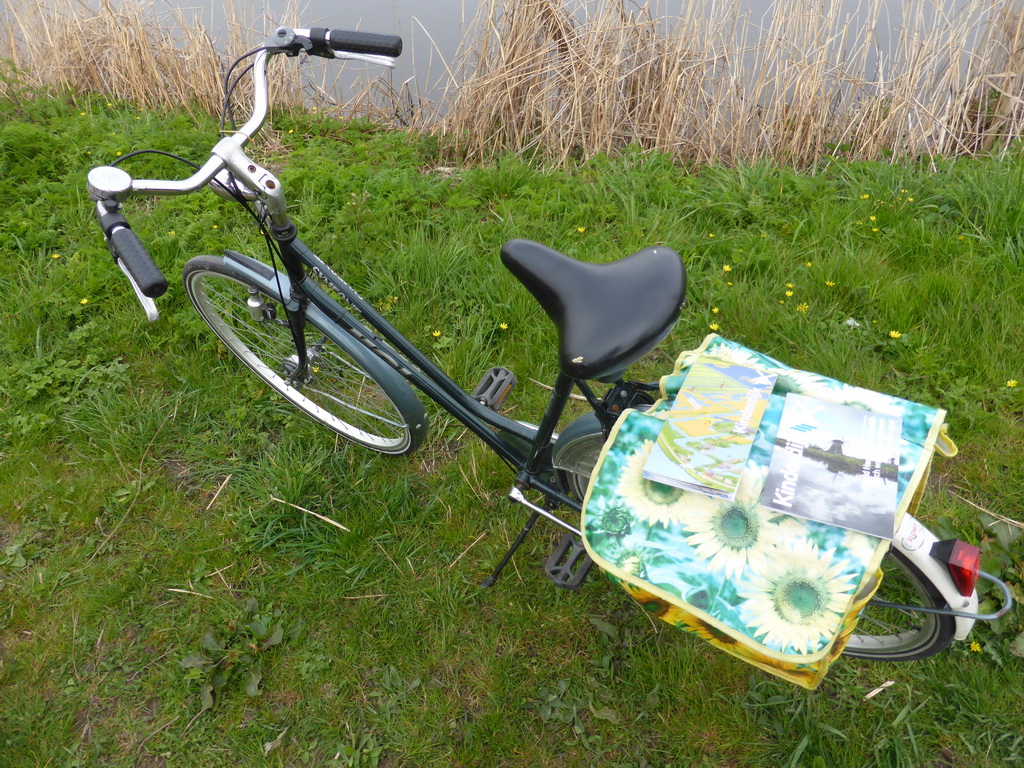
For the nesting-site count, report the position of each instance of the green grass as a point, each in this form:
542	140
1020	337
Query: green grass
137	527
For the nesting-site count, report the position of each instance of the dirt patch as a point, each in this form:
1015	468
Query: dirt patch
182	475
436	455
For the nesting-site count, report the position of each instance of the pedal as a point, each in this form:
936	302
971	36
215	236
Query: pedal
494	388
569	564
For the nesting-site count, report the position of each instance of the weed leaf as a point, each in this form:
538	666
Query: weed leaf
195	661
606	713
1017	646
258	626
205	697
252	685
275	637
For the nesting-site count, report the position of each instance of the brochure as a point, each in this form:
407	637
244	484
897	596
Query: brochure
835	464
710	428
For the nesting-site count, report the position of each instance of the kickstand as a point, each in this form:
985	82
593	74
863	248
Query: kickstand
489	581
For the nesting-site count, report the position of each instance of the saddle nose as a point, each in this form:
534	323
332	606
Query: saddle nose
608	315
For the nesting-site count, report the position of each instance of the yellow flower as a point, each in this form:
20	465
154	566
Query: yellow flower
789	294
807	263
711	234
727	268
894	334
871	218
803	307
728	283
1011	382
714	310
865	197
975	646
436	334
763	235
84	301
215	226
581	230
503	326
81	114
172	233
713	326
118	154
790	285
830	284
874	229
910	199
54	255
291	130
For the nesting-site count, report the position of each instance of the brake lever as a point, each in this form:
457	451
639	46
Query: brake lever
148	305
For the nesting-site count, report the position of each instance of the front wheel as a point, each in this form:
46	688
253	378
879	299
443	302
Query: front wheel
345	387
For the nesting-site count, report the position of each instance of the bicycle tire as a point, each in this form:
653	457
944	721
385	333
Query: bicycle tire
917	635
908	634
347	389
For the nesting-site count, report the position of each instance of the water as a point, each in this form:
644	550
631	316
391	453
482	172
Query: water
433	30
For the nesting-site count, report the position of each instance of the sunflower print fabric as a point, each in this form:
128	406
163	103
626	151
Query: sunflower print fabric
779	592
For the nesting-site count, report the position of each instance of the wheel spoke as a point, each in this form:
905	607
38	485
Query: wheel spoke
338	392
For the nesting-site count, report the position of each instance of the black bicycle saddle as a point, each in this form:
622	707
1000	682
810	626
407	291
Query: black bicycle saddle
607	315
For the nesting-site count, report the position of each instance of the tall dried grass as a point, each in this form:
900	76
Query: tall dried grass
580	78
570	78
162	57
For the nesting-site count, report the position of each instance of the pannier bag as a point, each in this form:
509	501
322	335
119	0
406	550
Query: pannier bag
779	592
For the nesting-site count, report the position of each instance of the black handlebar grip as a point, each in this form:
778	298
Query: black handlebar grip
365	42
140	265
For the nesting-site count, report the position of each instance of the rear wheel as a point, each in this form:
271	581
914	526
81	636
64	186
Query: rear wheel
902	634
345	387
883	633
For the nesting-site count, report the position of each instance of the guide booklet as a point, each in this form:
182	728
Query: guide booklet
710	428
835	464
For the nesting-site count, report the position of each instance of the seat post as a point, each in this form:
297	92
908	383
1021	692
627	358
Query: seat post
552	413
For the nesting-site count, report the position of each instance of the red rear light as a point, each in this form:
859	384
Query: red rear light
963	561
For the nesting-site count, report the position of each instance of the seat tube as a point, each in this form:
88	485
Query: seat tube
552	413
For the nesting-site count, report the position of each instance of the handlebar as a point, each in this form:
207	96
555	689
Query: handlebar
127	248
110	186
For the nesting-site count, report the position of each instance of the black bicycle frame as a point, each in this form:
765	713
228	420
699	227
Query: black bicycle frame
398	352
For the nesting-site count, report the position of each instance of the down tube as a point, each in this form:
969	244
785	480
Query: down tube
424	372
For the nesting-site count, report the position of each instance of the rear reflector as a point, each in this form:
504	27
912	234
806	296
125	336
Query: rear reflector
963	561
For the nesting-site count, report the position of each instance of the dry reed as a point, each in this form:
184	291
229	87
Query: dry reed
576	79
573	78
161	59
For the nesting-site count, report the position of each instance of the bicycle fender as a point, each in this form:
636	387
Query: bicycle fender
266	276
915	541
277	284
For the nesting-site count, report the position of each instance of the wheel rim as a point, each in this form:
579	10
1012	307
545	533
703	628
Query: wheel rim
336	391
896	632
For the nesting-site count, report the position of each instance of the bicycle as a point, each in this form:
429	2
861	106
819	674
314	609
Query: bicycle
313	339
